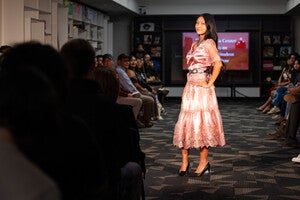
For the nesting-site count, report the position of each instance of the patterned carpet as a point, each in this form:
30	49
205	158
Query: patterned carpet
249	166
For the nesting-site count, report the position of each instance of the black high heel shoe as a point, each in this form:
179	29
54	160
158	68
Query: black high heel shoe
206	168
186	172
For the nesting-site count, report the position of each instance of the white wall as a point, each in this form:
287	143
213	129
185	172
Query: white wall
122	35
291	4
129	4
12	21
62	25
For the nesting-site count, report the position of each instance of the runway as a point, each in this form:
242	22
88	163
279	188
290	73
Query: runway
249	166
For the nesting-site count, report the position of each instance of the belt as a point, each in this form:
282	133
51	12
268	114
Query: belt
198	71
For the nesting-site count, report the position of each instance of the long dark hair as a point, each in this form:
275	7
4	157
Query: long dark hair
108	81
211	32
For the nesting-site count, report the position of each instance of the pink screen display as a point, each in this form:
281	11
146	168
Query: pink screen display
233	48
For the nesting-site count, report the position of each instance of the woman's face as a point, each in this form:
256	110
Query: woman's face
200	26
132	62
297	65
291	61
139	63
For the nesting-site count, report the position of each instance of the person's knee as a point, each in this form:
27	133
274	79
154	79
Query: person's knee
131	170
139	102
147	100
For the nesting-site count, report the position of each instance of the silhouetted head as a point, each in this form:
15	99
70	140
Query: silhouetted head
79	56
43	58
108	81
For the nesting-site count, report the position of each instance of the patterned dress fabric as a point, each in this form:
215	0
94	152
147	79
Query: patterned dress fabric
199	122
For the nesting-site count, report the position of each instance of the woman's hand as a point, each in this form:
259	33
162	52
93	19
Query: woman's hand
293	90
203	84
206	85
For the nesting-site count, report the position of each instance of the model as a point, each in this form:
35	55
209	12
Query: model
199	122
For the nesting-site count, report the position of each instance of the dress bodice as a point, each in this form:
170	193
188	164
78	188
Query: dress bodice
205	54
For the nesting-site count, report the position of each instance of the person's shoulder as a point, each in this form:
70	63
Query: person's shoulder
18	170
130	72
118	68
210	41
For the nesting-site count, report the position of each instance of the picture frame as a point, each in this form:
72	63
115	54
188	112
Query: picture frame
148	39
285	51
276	39
156	40
286	39
267	39
147	26
268	51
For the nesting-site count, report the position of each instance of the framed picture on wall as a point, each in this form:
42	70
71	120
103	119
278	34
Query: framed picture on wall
148	26
156	40
267	39
276	39
147	39
286	39
285	51
268	51
268	65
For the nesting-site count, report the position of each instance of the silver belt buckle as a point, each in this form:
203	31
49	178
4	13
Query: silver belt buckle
195	71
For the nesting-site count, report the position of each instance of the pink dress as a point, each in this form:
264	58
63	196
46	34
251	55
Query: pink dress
199	122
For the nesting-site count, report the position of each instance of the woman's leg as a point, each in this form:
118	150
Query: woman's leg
265	105
185	159
203	159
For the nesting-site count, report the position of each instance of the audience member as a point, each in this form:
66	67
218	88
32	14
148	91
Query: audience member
103	117
20	178
125	97
278	100
157	86
293	121
143	87
108	60
32	103
139	51
125	82
108	82
283	80
3	49
99	60
109	85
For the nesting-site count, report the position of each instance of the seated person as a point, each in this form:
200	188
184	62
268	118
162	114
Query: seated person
125	82
99	60
124	97
283	80
158	89
32	101
20	178
278	100
151	73
139	51
109	85
143	86
104	117
3	50
293	120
